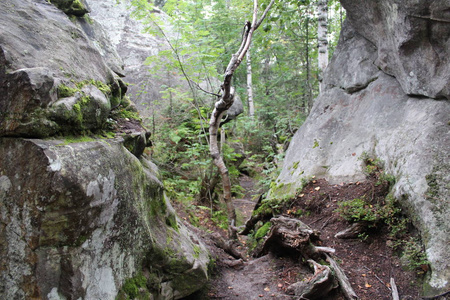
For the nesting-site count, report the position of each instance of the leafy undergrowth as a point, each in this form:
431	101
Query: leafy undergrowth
387	249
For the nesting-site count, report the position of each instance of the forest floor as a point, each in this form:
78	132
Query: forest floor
369	263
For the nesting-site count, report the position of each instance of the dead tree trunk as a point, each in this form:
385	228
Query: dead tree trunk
292	235
317	287
322	7
223	104
251	104
344	283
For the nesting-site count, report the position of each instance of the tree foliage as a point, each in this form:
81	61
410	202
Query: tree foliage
201	37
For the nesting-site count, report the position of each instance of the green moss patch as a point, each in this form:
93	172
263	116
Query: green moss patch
262	232
137	287
70	7
66	91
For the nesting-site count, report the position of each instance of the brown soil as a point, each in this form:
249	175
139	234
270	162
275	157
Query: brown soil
369	264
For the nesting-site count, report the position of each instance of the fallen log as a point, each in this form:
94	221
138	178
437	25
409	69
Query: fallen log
229	246
344	283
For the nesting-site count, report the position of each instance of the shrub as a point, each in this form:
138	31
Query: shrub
413	255
358	210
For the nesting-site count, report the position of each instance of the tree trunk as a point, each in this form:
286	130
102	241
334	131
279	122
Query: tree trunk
223	104
218	161
317	287
292	235
251	105
322	6
308	69
207	187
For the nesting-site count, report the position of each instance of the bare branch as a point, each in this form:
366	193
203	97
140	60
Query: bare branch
245	33
203	90
394	290
264	14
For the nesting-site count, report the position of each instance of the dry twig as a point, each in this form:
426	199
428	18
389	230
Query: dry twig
394	290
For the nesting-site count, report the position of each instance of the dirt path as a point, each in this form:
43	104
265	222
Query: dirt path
369	263
254	278
244	206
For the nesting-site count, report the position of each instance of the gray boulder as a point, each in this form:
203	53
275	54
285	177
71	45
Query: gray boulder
385	114
79	220
86	110
43	52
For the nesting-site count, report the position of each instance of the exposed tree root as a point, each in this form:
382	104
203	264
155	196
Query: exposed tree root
229	246
353	231
292	235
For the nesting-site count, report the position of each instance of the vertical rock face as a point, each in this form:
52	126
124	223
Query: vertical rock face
46	57
83	218
386	94
412	40
134	46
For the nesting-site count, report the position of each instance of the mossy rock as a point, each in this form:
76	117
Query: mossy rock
87	109
71	7
66	91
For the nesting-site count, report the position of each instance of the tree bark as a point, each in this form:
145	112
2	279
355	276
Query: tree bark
251	104
207	187
292	235
353	230
308	69
317	287
223	104
322	6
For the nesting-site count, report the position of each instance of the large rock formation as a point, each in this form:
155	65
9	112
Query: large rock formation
52	79
83	217
387	95
134	46
79	219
